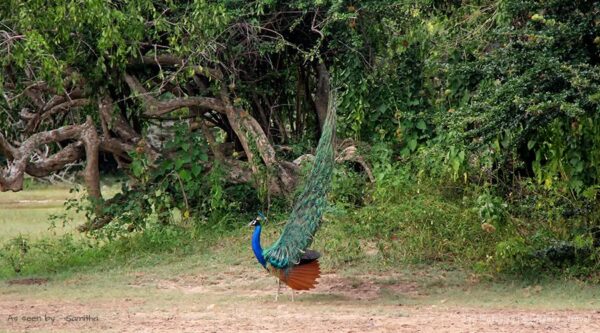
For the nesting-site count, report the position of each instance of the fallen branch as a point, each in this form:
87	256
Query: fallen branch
347	154
350	154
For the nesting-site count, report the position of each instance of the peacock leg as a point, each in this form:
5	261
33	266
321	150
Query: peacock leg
278	289
292	295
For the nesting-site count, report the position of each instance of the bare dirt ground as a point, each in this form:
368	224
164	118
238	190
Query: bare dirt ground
240	299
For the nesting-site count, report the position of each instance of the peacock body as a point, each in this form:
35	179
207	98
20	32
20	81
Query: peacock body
289	258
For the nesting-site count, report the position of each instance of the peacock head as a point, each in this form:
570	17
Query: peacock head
257	220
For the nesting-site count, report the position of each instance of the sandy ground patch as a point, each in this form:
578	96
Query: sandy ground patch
236	301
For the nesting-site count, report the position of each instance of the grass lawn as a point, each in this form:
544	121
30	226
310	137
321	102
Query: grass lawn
27	212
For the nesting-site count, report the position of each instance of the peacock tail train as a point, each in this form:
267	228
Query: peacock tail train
297	235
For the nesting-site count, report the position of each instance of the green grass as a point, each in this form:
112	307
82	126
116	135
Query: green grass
25	224
32	222
410	223
27	212
422	236
111	278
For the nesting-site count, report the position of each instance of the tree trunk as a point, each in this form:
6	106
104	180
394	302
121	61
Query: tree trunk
251	134
322	94
92	173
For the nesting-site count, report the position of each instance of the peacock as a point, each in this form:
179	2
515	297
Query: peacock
289	258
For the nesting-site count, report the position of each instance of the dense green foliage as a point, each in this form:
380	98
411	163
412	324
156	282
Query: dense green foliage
482	118
174	191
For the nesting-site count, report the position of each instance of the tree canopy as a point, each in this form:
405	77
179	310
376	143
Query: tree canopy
486	92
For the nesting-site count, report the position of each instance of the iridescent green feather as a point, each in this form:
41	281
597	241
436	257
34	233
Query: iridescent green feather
309	206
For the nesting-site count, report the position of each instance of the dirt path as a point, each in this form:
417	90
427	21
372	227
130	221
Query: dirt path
231	302
124	316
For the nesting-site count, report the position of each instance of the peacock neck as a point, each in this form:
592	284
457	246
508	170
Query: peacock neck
258	251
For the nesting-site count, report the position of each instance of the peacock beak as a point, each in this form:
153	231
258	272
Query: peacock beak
252	223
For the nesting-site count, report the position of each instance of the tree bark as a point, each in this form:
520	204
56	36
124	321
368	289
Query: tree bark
155	108
127	137
212	143
90	140
247	128
322	93
11	177
70	154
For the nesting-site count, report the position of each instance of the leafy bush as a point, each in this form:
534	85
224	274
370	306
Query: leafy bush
532	105
181	189
406	221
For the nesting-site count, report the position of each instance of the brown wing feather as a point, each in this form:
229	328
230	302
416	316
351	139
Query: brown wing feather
302	277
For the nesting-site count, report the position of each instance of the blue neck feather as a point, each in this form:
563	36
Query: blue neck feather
258	252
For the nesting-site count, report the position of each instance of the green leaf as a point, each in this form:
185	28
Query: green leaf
196	170
185	175
412	144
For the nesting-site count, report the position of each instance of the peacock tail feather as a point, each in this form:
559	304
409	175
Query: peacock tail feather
309	206
301	277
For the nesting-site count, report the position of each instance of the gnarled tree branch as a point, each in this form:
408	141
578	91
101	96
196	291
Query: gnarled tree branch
11	177
169	60
156	108
70	154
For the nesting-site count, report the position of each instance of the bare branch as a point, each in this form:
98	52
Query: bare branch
116	147
11	177
115	121
6	148
127	136
65	106
70	154
247	128
156	108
